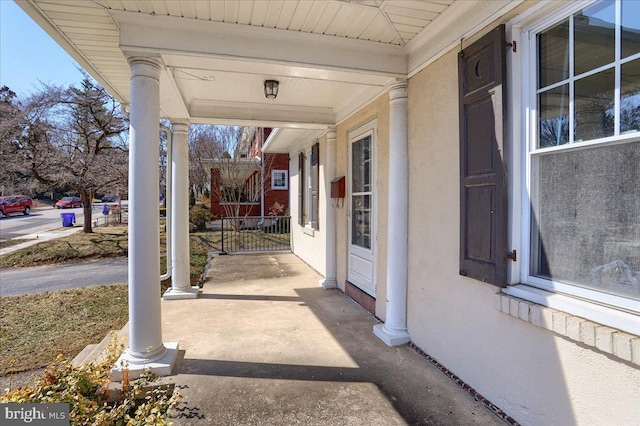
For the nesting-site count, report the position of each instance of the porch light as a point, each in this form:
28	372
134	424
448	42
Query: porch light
271	88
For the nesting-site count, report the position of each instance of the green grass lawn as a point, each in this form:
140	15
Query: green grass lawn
35	328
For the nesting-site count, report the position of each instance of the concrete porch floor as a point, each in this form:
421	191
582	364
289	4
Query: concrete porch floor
265	345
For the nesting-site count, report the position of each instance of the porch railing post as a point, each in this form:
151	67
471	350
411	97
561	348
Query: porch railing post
222	232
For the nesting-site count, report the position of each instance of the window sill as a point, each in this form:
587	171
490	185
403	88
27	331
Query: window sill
616	333
309	231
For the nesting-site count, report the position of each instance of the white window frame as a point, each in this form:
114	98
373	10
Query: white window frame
274	173
305	181
614	311
307	186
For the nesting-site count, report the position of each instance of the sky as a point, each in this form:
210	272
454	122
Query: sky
29	56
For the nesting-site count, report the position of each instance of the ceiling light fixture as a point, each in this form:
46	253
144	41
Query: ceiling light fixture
271	88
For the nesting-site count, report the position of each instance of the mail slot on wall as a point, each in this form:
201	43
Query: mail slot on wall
337	187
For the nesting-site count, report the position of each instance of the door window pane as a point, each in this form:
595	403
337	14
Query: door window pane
630	28
594	106
630	97
585	216
361	168
361	221
553	126
595	36
553	55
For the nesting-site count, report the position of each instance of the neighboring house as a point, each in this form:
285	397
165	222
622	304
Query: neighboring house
489	150
249	183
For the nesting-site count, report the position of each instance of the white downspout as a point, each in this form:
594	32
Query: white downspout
168	215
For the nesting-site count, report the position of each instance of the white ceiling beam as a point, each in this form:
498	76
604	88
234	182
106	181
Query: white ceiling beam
294	116
141	34
172	103
187	62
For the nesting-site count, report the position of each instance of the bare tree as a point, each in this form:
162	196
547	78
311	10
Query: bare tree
239	172
11	127
72	138
206	142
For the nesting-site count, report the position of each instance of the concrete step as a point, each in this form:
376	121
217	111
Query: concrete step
82	356
93	352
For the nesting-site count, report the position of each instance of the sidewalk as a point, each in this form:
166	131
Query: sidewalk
39	237
264	344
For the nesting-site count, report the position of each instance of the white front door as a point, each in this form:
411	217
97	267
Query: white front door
362	240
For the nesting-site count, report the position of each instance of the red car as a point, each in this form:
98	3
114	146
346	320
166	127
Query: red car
69	203
15	204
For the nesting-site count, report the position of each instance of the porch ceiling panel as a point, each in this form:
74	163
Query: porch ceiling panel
227	86
360	20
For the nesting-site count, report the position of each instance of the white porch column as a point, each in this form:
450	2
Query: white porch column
180	276
146	349
329	280
394	331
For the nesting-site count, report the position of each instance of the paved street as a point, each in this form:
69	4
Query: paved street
38	279
39	220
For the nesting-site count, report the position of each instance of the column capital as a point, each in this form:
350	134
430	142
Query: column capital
144	66
397	89
331	134
180	126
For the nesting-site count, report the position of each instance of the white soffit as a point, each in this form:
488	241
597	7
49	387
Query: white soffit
286	140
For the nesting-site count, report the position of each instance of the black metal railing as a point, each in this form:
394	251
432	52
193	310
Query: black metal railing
111	215
255	233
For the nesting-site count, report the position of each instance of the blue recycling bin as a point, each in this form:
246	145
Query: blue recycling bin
105	209
68	219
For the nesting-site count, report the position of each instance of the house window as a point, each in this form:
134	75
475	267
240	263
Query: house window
308	193
583	154
279	179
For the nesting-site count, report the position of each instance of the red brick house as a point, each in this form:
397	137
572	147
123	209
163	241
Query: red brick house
250	183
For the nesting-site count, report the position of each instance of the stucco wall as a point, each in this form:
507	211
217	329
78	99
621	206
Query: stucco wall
312	248
533	374
309	245
379	109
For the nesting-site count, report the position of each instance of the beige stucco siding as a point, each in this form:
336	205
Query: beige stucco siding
533	374
379	109
310	244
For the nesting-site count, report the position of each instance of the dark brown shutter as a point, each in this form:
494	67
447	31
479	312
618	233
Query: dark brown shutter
483	188
301	185
315	182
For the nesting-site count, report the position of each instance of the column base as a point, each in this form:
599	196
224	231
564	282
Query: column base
328	283
187	293
161	367
391	338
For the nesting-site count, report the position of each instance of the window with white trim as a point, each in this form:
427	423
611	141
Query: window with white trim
308	194
279	179
583	154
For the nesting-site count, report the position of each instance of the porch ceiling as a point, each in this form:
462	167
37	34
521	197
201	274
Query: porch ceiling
330	57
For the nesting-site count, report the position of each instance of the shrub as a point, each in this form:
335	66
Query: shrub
91	402
199	215
276	209
192	198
